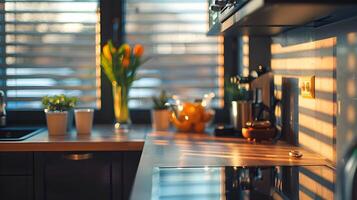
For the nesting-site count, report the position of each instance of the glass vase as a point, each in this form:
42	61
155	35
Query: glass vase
121	108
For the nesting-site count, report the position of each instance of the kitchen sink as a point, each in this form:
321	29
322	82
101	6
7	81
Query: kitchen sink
17	133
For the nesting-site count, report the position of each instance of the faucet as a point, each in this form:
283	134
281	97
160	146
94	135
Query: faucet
2	109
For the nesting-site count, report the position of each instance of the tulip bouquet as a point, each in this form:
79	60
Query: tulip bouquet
120	65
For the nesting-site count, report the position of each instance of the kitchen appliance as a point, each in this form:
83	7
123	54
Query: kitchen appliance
271	17
229	7
232	182
241	113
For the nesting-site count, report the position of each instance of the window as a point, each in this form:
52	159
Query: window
51	47
184	61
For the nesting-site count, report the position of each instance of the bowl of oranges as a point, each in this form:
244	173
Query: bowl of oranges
191	116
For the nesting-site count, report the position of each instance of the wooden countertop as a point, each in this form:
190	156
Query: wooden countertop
184	149
168	149
102	138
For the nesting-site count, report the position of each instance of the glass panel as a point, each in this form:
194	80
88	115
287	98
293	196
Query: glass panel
184	61
51	48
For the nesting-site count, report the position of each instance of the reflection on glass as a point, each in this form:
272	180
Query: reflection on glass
260	183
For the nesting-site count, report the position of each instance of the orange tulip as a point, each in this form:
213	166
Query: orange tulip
125	63
138	50
126	49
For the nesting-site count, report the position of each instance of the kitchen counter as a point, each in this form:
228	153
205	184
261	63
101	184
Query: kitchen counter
167	149
103	138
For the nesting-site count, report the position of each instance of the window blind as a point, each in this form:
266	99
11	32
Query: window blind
51	47
184	61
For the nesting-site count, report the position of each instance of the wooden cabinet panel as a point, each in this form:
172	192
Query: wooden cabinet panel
130	166
76	176
16	163
16	188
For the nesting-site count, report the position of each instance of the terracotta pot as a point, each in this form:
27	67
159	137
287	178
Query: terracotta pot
56	122
84	120
160	120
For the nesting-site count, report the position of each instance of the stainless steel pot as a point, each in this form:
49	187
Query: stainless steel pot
241	113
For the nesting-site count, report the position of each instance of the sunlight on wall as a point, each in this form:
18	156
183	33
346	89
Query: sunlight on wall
316	183
220	71
245	40
316	116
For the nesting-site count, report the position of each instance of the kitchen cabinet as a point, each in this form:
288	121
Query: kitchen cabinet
16	163
271	17
130	166
85	175
16	187
16	176
74	175
67	175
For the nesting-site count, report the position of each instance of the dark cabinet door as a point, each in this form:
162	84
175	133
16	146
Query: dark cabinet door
75	175
130	166
16	163
16	181
16	187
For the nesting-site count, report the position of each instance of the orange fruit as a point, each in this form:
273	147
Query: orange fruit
181	125
188	107
199	127
207	116
184	126
182	116
200	110
191	112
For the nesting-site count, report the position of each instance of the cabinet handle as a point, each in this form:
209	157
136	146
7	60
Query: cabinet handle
75	156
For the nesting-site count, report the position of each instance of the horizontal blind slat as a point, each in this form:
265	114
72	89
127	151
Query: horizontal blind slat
82	87
53	65
184	61
50	49
48	23
42	44
35	33
22	99
167	33
54	54
52	76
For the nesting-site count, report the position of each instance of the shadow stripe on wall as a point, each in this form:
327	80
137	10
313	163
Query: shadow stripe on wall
319	179
311	72
304	53
319	115
310	193
318	94
317	135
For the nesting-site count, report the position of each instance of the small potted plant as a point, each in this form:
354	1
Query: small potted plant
241	106
160	114
57	110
